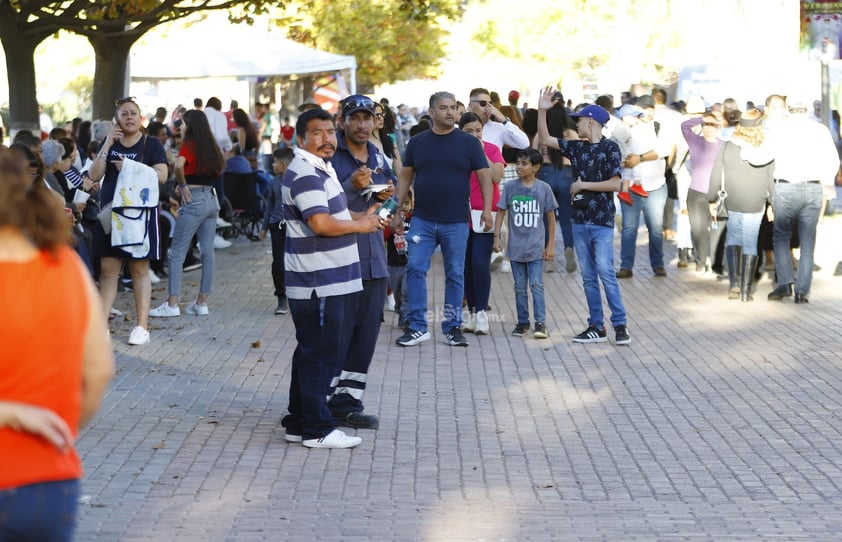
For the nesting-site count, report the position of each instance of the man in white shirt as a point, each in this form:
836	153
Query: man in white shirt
647	148
219	127
805	162
669	121
218	123
496	127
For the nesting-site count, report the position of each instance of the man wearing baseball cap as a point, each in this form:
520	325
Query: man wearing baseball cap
359	164
596	168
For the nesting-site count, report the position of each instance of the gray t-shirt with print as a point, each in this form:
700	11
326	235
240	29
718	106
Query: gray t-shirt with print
526	206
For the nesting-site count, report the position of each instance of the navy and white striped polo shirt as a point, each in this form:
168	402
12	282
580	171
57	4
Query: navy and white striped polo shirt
327	265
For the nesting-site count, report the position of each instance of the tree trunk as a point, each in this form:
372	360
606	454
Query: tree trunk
19	50
111	77
23	102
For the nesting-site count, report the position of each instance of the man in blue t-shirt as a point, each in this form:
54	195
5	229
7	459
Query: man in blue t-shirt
441	161
596	168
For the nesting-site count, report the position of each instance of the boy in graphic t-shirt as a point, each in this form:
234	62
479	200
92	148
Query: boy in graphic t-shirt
527	201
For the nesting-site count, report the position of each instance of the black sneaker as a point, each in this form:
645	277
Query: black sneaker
540	331
412	337
621	335
454	337
591	335
520	330
283	306
357	420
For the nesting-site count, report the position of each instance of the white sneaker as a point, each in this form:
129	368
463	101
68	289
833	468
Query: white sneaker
197	309
496	260
390	302
164	311
506	267
481	323
139	336
219	242
469	325
222	223
334	439
115	312
153	278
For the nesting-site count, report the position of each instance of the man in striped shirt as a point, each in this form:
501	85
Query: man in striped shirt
322	270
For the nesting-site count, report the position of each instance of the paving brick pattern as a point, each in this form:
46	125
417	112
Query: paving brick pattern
721	421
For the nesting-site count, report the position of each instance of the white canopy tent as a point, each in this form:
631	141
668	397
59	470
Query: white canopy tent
213	49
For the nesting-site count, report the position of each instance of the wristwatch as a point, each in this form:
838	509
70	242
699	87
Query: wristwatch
506	120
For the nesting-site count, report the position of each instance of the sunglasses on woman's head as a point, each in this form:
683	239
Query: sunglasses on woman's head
122	101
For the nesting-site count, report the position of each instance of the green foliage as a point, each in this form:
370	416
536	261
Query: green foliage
393	40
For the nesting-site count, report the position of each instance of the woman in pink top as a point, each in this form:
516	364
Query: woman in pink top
702	149
478	253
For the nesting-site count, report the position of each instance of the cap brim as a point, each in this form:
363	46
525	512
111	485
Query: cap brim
355	109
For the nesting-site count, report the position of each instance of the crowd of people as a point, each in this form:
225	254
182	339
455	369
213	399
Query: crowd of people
356	203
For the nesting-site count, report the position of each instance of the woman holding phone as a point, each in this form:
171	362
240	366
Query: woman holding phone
127	141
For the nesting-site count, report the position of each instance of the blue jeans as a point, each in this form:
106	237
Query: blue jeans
796	205
653	214
45	511
743	229
529	274
595	252
478	270
321	331
198	216
422	239
560	180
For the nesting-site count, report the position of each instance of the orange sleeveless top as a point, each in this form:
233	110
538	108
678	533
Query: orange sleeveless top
43	321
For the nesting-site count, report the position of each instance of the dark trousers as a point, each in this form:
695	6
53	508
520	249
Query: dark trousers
698	210
319	329
278	232
478	270
360	341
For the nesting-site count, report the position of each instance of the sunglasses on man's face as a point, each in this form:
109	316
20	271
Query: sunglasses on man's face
482	103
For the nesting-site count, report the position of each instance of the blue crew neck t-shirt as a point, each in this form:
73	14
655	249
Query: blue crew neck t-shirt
443	164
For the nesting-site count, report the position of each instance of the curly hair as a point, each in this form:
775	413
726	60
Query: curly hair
750	128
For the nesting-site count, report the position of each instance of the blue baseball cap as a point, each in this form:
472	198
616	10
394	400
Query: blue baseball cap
594	112
357	102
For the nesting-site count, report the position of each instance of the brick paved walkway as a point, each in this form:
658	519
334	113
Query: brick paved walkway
720	422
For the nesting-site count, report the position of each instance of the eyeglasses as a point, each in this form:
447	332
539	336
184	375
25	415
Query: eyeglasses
710	124
482	103
122	101
378	115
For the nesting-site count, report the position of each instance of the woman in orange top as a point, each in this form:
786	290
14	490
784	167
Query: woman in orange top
56	359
